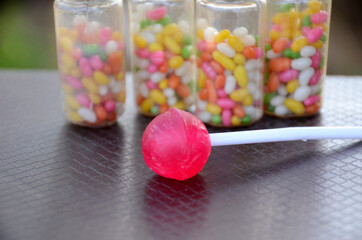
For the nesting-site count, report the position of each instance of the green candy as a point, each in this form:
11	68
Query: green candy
246	120
164	21
145	23
268	97
323	38
266	78
289	53
154	110
306	22
271	109
186	52
90	50
216	119
257	38
136	69
198	53
285	7
322	63
268	47
192	86
187	40
103	56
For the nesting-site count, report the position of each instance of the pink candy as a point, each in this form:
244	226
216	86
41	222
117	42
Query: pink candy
277	27
221	93
306	30
259	52
202	45
156	14
311	100
315	34
226	103
210	73
96	62
152	68
319	18
142	53
157	57
226	117
151	85
110	106
288	75
316	59
76	53
84	100
315	78
74	82
105	35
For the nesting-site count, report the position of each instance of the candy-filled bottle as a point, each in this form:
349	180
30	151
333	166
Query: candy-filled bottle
91	60
163	54
296	56
230	49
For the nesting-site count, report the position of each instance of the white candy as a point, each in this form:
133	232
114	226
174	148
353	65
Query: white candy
186	78
271	54
226	49
156	28
149	36
302	93
169	92
91	27
315	89
201	104
144	7
305	76
248	40
185	68
257	114
87	114
184	26
230	84
301	63
240	32
79	19
253	75
209	34
253	88
227	73
201	23
142	75
249	110
102	90
205	116
308	51
257	95
277	101
282	90
171	101
143	63
157	77
144	90
281	110
111	47
117	87
189	100
252	64
136	27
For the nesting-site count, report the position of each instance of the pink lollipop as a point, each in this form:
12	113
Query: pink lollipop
176	144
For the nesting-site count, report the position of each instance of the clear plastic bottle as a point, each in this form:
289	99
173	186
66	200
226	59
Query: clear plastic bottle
163	54
230	47
91	60
296	56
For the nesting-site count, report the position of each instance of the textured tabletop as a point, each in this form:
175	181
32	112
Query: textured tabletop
59	181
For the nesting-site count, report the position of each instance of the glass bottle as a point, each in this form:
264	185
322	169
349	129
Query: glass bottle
230	47
163	59
91	60
296	56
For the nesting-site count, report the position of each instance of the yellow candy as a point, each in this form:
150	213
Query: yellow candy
163	84
248	100
67	88
294	106
153	47
74	117
75	72
323	26
172	45
68	61
72	102
64	69
180	105
121	97
201	79
239	59
88	84
274	35
140	41
200	34
73	35
100	78
235	120
146	105
306	12
236	43
95	98
222	35
170	29
66	44
288	33
241	76
292	86
63	31
318	44
225	61
299	44
158	97
176	62
239	95
159	38
178	37
116	36
213	109
315	6
120	76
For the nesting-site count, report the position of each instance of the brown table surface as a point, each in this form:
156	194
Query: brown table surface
59	181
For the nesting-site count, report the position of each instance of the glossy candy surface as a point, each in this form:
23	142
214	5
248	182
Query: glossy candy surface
176	145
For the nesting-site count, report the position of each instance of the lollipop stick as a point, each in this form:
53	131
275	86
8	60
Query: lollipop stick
285	134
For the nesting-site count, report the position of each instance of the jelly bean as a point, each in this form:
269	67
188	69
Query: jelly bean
280	45
281	110
217	67
277	101
87	114
110	106
208	70
152	68
319	18
221	93
236	43
307	51
301	63
249	52
292	86
315	34
172	45
302	93
140	41
294	106
315	78
246	120
220	81
211	91
240	32
209	34
156	14
239	59
176	62
74	82
72	102
230	84
273	82
146	105
205	116
271	54
213	109
311	100
238	111
100	78
84	100
280	64
305	76
157	77
226	103
96	62
226	117
111	47
239	95
288	75
142	52
241	76
248	41
306	30
173	81
289	53
316	59
226	49
216	119
225	61
298	44
66	44
268	97
186	52
222	35
157	57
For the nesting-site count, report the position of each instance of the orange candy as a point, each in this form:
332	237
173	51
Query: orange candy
111	117
274	82
280	64
163	108
115	62
106	69
183	91
220	81
163	67
217	67
206	57
211	46
174	81
280	44
312	108
139	99
238	111
100	112
249	52
203	94
211	90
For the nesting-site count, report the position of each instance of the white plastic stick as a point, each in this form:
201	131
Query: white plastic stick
285	134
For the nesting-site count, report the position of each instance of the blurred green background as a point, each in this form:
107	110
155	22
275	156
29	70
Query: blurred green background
27	38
